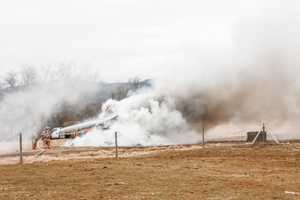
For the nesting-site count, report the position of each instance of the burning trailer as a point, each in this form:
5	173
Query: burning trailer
71	132
82	128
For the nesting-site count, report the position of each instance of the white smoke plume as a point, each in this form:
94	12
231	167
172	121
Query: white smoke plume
232	65
143	119
27	110
257	83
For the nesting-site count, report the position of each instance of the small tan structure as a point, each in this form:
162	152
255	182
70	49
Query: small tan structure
261	136
257	136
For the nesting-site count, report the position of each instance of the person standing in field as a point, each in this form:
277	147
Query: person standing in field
46	137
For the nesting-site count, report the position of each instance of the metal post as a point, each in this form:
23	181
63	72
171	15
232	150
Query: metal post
264	128
21	148
203	139
116	143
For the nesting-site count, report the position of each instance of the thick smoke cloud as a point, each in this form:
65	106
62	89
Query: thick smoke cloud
29	110
143	119
229	68
260	84
270	97
255	95
56	97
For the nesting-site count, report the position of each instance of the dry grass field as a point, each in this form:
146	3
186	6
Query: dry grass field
215	172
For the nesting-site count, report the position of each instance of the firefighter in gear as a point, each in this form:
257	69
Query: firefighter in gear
34	143
46	137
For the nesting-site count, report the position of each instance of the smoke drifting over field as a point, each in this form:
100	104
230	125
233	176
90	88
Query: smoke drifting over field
169	112
159	116
234	68
30	109
270	97
142	120
259	84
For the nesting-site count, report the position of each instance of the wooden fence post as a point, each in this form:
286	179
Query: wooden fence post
203	139
21	148
116	143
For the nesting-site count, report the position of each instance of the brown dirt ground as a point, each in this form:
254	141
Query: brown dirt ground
215	172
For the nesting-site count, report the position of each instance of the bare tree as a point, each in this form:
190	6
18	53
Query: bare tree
120	93
28	76
136	83
2	86
2	83
58	72
11	79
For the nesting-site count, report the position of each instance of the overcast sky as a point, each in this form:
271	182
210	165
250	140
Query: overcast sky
125	38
